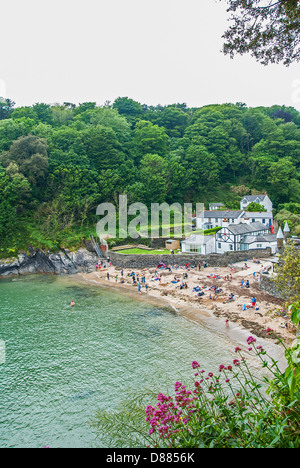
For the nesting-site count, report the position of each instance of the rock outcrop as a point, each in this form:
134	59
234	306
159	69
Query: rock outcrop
63	262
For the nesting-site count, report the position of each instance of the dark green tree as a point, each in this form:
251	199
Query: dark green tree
269	31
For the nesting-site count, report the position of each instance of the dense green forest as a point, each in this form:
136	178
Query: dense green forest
58	162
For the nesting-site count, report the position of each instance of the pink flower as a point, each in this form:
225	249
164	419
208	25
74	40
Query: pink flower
177	386
251	340
237	349
195	365
236	362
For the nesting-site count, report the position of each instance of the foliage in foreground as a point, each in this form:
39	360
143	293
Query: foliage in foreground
229	409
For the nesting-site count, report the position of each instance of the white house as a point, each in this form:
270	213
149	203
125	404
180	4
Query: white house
263	200
199	244
216	206
250	242
264	217
242	237
212	219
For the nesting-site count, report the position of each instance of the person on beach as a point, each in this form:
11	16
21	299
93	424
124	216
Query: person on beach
242	283
253	302
247	284
139	288
107	274
231	297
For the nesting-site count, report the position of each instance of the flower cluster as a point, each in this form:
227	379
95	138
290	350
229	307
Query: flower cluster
217	415
172	415
170	411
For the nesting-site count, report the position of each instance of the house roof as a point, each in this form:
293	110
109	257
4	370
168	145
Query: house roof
199	240
234	214
251	198
246	228
251	239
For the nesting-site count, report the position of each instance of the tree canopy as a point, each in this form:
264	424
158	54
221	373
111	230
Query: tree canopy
268	30
58	162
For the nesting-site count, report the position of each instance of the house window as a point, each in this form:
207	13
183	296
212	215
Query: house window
194	248
253	220
259	246
219	245
232	220
231	247
264	221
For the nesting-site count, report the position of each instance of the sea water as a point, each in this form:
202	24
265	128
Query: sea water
60	364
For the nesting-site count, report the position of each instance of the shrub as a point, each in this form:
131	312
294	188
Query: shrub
227	408
230	409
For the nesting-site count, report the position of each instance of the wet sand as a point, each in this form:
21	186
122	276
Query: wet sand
209	308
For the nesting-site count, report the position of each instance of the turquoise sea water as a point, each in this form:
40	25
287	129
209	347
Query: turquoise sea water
64	363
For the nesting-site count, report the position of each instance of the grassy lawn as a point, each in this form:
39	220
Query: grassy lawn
145	252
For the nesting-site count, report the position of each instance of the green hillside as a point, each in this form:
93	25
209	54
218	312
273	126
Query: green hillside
58	162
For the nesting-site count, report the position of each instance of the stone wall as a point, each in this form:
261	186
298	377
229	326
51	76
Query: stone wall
214	260
267	285
83	260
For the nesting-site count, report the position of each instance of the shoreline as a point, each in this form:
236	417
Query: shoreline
203	310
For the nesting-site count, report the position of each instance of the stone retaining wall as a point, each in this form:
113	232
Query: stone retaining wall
267	285
214	260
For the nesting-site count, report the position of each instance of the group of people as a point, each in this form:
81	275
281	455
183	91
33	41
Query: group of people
228	278
245	283
200	265
103	264
253	304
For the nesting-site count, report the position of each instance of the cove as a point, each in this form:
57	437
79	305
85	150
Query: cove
63	363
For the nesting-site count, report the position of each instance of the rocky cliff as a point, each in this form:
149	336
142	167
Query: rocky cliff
64	262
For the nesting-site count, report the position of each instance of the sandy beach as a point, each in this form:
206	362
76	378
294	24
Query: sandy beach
181	286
